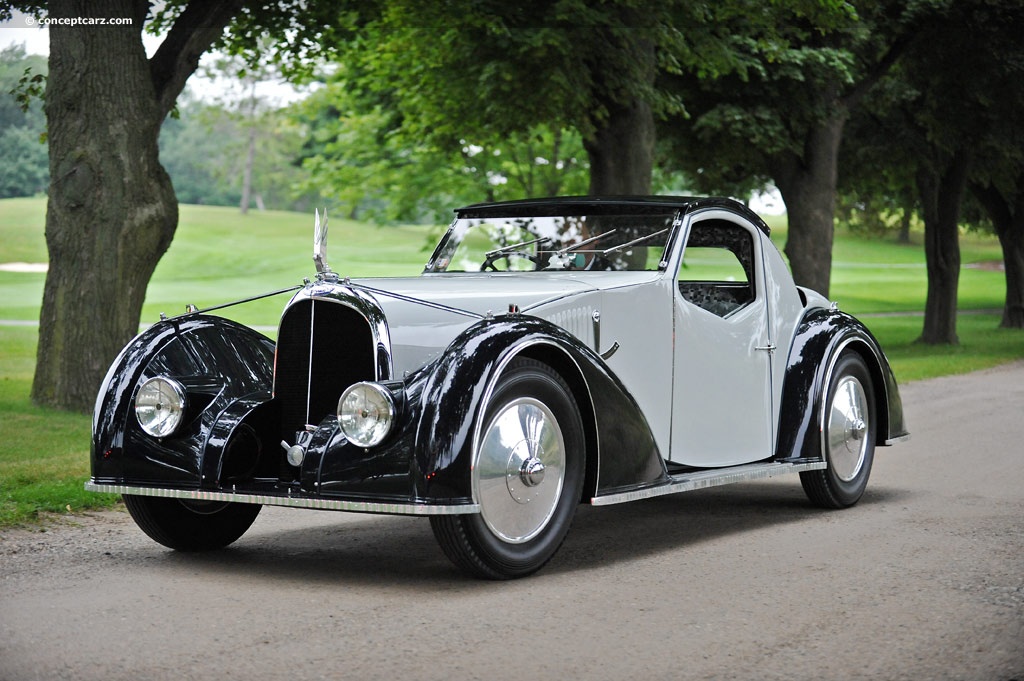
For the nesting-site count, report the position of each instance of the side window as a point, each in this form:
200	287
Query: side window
717	273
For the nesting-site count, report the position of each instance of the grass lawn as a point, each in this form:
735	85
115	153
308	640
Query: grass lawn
219	255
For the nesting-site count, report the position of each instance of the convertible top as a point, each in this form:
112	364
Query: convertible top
604	205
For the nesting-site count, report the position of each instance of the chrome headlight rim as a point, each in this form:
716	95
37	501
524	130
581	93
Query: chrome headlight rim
173	411
366	413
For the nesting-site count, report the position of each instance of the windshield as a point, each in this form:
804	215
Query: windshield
555	243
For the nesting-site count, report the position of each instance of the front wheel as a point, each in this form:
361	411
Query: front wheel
191	525
527	477
848	436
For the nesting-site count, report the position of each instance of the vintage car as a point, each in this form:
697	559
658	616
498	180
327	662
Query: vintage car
552	352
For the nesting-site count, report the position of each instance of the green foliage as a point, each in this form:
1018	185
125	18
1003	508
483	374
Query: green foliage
24	161
802	66
292	35
20	77
204	151
432	102
23	156
362	157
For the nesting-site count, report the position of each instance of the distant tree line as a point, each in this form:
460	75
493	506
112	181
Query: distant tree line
24	169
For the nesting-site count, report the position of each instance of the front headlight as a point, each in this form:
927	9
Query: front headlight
160	406
366	412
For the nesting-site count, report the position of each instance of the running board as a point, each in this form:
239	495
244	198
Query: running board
709	478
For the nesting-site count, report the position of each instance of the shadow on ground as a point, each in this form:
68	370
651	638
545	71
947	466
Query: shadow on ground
371	550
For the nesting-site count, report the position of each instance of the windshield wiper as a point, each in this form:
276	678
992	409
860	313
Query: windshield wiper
634	242
574	247
515	247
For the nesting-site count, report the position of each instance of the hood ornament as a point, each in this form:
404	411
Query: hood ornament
320	243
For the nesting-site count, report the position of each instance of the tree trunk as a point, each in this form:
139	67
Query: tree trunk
250	161
621	152
904	234
1007	215
111	212
621	148
941	196
1012	241
808	186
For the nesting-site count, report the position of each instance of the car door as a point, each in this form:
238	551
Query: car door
721	392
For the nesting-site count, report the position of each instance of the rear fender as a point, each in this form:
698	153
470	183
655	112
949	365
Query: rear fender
821	337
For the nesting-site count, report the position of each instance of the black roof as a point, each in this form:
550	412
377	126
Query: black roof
604	205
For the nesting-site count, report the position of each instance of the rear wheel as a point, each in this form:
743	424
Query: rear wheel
191	525
527	477
848	436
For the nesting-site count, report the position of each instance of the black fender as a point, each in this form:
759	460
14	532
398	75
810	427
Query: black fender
226	369
621	451
819	339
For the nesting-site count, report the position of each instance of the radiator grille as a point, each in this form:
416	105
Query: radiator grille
322	348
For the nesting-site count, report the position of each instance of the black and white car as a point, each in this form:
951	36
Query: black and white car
552	352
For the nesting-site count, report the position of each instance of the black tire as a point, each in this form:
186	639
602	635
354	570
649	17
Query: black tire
191	525
523	523
848	436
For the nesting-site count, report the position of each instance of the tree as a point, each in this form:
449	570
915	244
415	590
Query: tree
782	117
251	111
214	176
945	119
22	125
360	155
484	70
997	177
112	211
1003	200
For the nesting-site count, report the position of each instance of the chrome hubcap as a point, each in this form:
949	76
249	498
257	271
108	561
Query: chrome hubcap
848	429
532	472
520	470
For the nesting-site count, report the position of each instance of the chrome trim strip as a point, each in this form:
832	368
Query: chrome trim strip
364	305
710	478
415	301
309	364
607	354
197	311
293	502
555	299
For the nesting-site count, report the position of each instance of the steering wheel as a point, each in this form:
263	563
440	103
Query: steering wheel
488	263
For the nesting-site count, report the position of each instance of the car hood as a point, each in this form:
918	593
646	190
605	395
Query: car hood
424	314
475	294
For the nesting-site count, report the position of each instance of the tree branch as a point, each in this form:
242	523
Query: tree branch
852	98
193	33
995	204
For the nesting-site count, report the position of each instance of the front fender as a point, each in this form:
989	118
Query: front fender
621	450
821	336
218	361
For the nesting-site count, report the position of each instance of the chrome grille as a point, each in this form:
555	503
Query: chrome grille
323	347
